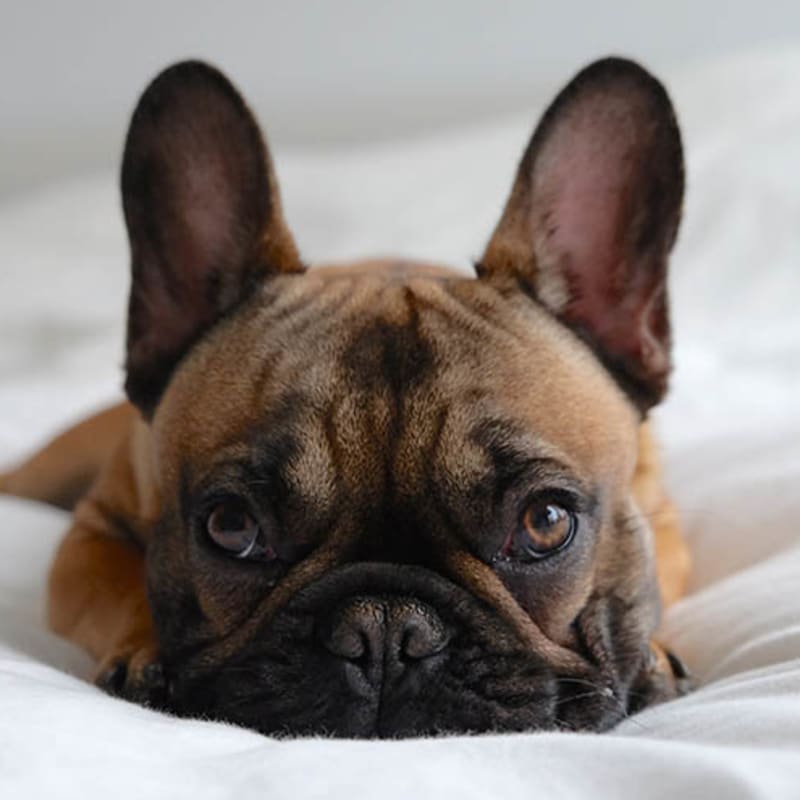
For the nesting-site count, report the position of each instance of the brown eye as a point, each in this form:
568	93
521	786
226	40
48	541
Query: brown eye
544	528
231	527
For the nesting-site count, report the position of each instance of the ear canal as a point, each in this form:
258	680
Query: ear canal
204	219
592	217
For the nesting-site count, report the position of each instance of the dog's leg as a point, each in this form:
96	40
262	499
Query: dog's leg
673	561
96	595
97	590
62	472
97	600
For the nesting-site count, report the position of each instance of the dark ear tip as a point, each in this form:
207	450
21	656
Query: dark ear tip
184	77
618	71
611	67
189	66
179	94
188	71
626	77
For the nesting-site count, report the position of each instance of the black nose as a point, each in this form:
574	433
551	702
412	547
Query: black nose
384	639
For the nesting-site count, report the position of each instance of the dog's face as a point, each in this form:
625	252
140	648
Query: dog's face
396	500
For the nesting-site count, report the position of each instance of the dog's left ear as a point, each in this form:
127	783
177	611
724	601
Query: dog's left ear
592	217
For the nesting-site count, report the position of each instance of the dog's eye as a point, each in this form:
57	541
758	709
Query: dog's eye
231	527
544	528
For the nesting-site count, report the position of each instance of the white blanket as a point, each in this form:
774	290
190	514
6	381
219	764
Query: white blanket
731	433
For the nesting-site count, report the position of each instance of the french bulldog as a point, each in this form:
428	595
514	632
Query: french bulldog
382	499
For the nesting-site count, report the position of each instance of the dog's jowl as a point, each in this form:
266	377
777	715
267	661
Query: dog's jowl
382	498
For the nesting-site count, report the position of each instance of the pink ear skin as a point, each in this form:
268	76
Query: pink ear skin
203	214
593	215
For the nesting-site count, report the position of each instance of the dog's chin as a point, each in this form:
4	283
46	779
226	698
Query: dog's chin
513	702
286	681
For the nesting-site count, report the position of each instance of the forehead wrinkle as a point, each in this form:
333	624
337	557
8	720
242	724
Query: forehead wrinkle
511	446
463	391
306	362
305	304
311	471
352	435
542	376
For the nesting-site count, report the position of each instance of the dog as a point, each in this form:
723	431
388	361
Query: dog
382	499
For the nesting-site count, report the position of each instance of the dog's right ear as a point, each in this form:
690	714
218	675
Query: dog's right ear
204	219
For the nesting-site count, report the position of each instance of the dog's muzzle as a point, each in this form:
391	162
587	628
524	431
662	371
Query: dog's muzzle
385	650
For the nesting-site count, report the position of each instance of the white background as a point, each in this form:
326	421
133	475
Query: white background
338	71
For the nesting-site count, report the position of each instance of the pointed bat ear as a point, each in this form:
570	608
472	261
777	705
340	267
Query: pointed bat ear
204	219
592	217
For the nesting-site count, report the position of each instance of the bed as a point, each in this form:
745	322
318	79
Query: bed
730	433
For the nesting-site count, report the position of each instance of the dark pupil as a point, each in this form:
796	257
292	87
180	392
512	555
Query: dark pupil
231	520
231	527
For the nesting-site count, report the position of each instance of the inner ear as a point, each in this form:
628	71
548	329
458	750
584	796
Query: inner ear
593	215
203	214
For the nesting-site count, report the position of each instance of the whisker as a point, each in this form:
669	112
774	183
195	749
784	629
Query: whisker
608	693
586	682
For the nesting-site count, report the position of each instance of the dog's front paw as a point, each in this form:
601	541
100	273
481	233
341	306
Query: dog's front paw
680	674
134	673
672	673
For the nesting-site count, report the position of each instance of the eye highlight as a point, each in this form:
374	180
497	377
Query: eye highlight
232	528
545	528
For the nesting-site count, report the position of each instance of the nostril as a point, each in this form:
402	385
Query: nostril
355	631
422	635
346	642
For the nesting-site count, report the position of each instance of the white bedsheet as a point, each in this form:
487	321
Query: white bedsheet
731	432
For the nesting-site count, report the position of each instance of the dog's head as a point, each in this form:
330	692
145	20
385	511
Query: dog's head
396	500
